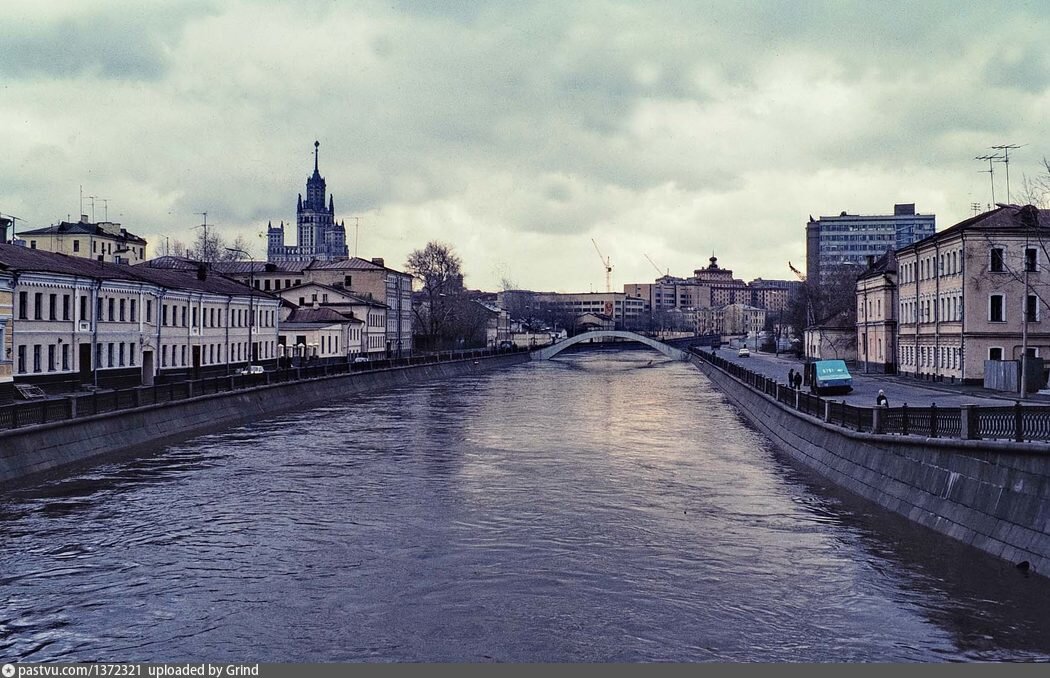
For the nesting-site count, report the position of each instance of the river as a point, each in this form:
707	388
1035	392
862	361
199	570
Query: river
603	506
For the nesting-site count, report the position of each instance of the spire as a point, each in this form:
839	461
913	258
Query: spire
317	144
331	204
299	207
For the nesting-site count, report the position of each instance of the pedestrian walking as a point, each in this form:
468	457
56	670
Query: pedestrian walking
798	380
881	400
791	378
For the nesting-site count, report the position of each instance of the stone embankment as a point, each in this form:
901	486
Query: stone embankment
991	494
29	453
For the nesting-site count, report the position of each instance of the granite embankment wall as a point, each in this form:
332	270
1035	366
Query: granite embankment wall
994	495
30	453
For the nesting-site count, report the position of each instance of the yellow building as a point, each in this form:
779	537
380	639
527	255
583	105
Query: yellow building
102	241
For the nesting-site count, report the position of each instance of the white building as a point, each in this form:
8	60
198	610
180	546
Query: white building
80	322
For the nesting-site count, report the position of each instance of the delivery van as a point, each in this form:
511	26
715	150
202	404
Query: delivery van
827	377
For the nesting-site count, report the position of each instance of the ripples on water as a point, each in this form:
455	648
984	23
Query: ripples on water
589	508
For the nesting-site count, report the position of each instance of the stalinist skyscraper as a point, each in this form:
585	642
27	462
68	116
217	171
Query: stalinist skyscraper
318	236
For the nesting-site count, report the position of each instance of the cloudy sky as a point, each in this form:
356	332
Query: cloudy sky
519	131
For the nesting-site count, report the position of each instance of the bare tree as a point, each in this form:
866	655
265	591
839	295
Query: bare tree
438	269
210	247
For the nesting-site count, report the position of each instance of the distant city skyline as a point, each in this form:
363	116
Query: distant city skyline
519	133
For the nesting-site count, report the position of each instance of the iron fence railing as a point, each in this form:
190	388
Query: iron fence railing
1017	422
37	412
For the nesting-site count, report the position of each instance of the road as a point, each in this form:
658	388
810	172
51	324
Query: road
899	390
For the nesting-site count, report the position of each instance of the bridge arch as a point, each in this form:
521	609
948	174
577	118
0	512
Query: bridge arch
549	352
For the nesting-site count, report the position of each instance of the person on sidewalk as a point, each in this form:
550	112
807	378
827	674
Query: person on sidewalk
791	378
798	380
881	400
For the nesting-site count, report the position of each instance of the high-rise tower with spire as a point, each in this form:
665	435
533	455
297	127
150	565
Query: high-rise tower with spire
318	235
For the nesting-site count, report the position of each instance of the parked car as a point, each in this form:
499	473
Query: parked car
743	353
360	359
250	369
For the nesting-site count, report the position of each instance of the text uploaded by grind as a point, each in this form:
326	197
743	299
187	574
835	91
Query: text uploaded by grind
201	670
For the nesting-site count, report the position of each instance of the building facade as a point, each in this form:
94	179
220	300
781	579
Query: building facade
102	241
849	239
82	323
6	336
626	312
369	338
318	235
974	292
877	316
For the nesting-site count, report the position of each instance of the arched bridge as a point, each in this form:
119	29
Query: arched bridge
549	352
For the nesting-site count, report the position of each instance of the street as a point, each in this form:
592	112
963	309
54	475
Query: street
899	390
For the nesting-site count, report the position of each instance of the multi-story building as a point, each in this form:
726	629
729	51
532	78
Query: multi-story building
79	322
626	312
710	320
102	241
371	336
974	292
319	333
318	235
849	239
877	316
6	336
743	319
360	277
710	287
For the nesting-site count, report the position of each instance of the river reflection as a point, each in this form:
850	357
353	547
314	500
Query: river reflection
590	508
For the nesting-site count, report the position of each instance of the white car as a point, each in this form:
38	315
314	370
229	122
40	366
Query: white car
250	369
743	353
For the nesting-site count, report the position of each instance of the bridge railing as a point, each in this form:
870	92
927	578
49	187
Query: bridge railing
1017	422
31	413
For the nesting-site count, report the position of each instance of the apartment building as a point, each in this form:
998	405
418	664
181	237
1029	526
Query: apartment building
974	292
877	316
6	336
369	338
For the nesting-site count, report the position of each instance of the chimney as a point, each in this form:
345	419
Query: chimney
83	219
871	261
378	261
202	271
4	223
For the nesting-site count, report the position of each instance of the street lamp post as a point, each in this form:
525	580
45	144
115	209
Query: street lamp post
251	298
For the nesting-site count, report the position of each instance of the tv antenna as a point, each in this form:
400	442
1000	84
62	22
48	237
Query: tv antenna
990	170
976	207
1006	148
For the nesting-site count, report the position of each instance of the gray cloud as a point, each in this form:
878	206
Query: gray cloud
518	131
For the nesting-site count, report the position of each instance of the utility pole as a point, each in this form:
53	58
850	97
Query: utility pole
1006	148
975	207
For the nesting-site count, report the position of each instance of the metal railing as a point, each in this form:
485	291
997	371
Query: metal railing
1017	422
32	413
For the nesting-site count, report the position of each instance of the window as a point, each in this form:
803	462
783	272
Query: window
65	357
65	307
76	245
184	351
121	352
38	306
131	354
996	263
23	305
194	317
996	312
1031	310
995	353
123	310
134	311
22	359
36	357
1030	259
347	281
110	352
149	310
112	305
163	356
184	324
52	307
50	357
84	308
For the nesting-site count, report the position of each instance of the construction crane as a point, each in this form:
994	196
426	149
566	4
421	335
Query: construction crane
798	274
655	266
607	264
